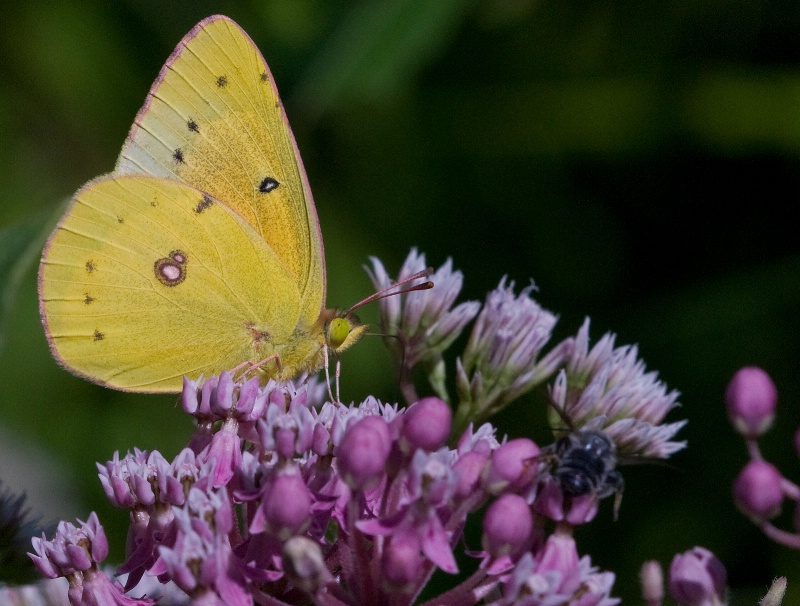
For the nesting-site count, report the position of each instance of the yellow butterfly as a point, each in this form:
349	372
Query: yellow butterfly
202	250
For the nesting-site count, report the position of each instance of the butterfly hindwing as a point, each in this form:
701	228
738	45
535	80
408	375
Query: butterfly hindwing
147	279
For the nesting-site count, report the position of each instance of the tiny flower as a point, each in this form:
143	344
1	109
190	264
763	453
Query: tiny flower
72	549
697	578
500	362
750	398
758	490
202	563
425	322
556	576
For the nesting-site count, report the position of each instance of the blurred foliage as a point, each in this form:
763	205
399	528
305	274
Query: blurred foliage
638	160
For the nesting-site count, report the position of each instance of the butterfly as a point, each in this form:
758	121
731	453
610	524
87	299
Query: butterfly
202	250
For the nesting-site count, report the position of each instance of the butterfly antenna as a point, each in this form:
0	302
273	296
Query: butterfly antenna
390	291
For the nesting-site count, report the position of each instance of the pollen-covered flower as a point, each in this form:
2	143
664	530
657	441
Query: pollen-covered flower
607	388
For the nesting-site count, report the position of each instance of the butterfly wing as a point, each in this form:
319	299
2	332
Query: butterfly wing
147	279
213	119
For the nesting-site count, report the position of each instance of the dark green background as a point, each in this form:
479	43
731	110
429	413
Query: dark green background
640	161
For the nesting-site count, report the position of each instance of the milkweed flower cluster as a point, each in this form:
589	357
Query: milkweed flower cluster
282	497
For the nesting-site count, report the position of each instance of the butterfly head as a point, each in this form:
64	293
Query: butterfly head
342	330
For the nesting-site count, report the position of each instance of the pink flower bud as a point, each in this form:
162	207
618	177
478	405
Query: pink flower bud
758	490
652	578
402	560
750	399
285	509
697	578
468	469
426	424
363	452
507	526
513	465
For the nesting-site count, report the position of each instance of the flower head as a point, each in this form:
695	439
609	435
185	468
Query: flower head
607	388
501	361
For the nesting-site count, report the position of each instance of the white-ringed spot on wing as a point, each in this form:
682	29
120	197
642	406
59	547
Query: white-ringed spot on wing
267	185
171	270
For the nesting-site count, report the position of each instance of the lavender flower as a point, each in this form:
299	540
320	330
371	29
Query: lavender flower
422	324
607	388
501	361
74	553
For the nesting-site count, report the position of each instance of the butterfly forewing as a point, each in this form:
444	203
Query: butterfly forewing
213	119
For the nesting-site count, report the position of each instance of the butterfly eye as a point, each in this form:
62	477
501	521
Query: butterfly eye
338	330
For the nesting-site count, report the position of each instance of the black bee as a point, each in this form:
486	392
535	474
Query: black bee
584	462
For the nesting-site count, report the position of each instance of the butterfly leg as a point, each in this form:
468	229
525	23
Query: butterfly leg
328	375
250	366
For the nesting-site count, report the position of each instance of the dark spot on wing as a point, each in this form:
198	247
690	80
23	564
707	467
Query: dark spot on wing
88	299
264	77
205	203
120	220
177	155
90	266
98	336
192	126
222	81
267	185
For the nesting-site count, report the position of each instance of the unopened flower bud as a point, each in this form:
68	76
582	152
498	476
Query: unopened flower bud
750	399
402	560
513	465
652	578
363	452
758	490
507	526
426	424
468	468
285	509
697	578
